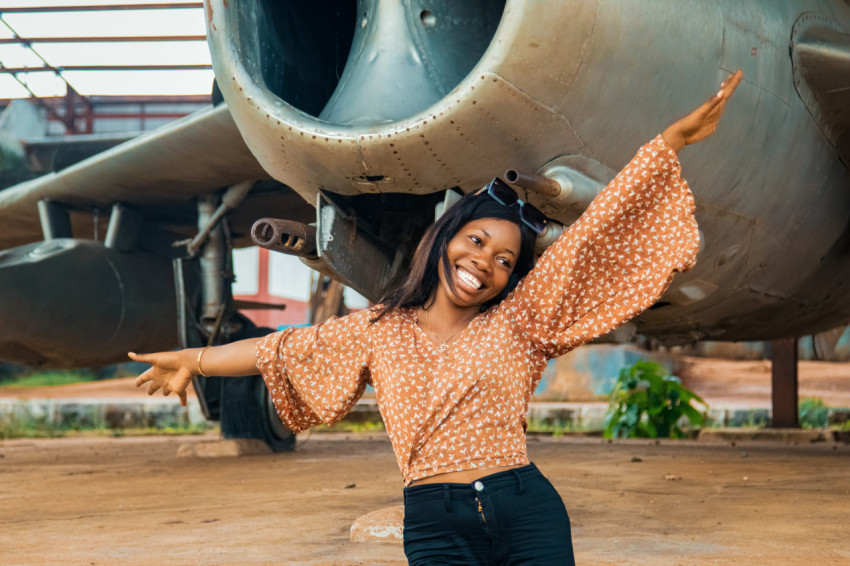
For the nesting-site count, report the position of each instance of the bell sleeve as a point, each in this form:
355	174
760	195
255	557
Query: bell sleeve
316	374
614	262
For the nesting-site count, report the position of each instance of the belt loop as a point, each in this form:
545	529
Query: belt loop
520	487
447	497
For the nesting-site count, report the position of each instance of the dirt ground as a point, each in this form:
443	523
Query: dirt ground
120	388
131	501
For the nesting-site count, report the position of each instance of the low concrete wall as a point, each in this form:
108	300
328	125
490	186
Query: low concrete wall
163	413
108	413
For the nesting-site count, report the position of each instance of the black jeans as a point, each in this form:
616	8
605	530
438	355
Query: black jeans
512	517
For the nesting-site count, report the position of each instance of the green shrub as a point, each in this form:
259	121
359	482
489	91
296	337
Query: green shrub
646	402
813	412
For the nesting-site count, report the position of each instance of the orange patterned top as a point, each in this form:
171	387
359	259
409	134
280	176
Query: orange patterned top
466	408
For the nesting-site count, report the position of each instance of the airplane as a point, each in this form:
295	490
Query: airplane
347	126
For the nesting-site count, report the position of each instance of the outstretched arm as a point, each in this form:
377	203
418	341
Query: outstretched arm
173	371
702	122
620	256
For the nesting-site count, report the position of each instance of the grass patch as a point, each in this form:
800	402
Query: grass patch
346	426
47	379
39	427
557	428
30	428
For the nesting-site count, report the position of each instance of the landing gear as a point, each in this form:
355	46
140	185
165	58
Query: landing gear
247	411
207	317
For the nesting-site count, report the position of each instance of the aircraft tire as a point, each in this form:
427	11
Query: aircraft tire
247	412
246	408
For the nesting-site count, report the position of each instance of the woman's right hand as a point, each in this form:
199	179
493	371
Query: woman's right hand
169	371
702	122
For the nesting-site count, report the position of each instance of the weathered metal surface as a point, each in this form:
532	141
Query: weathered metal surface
285	236
120	302
820	51
415	98
349	257
540	184
561	80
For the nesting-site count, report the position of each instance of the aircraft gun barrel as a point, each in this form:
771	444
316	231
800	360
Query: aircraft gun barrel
285	236
535	182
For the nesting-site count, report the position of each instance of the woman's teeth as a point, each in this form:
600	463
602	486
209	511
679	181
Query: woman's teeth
469	279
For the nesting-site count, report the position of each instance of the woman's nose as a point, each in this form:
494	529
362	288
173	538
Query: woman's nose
482	262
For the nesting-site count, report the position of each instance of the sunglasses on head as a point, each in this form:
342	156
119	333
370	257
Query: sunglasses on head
528	213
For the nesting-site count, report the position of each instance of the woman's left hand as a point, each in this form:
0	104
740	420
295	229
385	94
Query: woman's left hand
702	122
169	371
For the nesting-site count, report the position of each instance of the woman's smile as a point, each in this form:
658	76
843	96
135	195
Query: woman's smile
482	256
468	280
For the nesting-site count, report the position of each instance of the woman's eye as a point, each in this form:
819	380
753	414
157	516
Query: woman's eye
476	240
505	262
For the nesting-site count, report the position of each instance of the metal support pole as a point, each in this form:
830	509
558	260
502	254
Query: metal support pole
783	354
55	220
214	290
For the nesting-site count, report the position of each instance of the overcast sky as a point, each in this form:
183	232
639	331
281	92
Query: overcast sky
117	23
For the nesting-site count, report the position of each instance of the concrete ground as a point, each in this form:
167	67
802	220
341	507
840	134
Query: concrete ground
132	501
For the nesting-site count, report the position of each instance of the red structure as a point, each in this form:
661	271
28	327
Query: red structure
296	311
76	112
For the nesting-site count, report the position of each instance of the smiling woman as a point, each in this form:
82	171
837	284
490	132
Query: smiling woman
472	257
482	258
455	353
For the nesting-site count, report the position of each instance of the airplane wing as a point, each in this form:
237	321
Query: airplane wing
158	172
52	153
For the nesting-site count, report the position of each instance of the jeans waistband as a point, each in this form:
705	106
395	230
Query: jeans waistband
514	477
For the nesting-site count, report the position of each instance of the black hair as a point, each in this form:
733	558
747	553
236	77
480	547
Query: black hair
432	253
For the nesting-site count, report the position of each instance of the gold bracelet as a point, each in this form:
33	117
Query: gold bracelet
201	355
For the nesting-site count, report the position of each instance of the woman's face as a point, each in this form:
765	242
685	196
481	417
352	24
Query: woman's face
482	256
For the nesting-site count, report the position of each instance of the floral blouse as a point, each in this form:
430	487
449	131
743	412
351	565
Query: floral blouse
465	408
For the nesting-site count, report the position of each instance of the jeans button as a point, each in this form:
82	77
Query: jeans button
478	486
